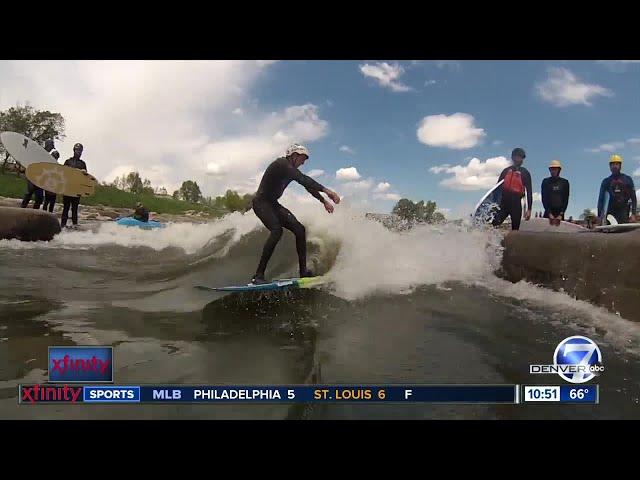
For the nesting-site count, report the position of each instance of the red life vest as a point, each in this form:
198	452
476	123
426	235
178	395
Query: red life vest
513	182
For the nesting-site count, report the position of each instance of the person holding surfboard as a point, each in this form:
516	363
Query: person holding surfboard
35	190
517	179
275	217
621	194
73	202
50	197
555	194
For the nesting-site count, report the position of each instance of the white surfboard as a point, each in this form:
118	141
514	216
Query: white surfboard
490	201
618	227
24	150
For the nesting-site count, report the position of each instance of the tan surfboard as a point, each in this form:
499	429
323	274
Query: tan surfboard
61	179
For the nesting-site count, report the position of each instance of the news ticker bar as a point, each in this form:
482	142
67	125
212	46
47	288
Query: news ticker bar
149	394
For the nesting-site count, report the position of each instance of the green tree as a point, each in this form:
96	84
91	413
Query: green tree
190	192
133	183
421	212
38	125
587	213
176	195
405	209
147	189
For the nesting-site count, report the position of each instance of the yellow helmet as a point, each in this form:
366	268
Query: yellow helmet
555	164
615	159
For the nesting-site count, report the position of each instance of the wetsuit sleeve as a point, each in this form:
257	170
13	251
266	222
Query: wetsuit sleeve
316	194
503	174
565	197
307	182
603	188
527	180
543	192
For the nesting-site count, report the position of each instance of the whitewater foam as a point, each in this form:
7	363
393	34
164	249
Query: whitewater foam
190	237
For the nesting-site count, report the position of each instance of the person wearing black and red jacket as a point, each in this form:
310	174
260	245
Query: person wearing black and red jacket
517	180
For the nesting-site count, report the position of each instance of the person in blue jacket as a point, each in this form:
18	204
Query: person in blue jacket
622	194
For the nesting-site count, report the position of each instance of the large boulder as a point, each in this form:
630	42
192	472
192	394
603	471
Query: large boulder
27	224
602	268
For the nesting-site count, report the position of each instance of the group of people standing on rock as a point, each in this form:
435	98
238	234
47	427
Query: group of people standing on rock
68	203
622	202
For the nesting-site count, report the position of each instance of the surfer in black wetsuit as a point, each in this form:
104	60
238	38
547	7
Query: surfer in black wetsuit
555	194
50	197
73	202
517	179
622	195
274	216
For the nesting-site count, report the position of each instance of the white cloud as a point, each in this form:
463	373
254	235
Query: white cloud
634	141
455	131
476	175
358	185
429	82
444	211
440	168
563	88
497	142
637	173
238	111
383	187
347	174
112	107
607	147
392	197
386	75
347	149
315	173
329	103
537	197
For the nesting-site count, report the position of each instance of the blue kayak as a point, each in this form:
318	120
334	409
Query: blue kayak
132	222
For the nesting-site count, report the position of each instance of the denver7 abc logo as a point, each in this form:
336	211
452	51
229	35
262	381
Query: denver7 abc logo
576	359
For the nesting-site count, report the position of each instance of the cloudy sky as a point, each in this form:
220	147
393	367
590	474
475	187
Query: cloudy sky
377	130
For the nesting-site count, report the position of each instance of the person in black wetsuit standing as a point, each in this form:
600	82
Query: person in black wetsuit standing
73	202
555	194
274	216
517	179
50	197
34	189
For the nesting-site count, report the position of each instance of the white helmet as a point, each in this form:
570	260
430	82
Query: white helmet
297	148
